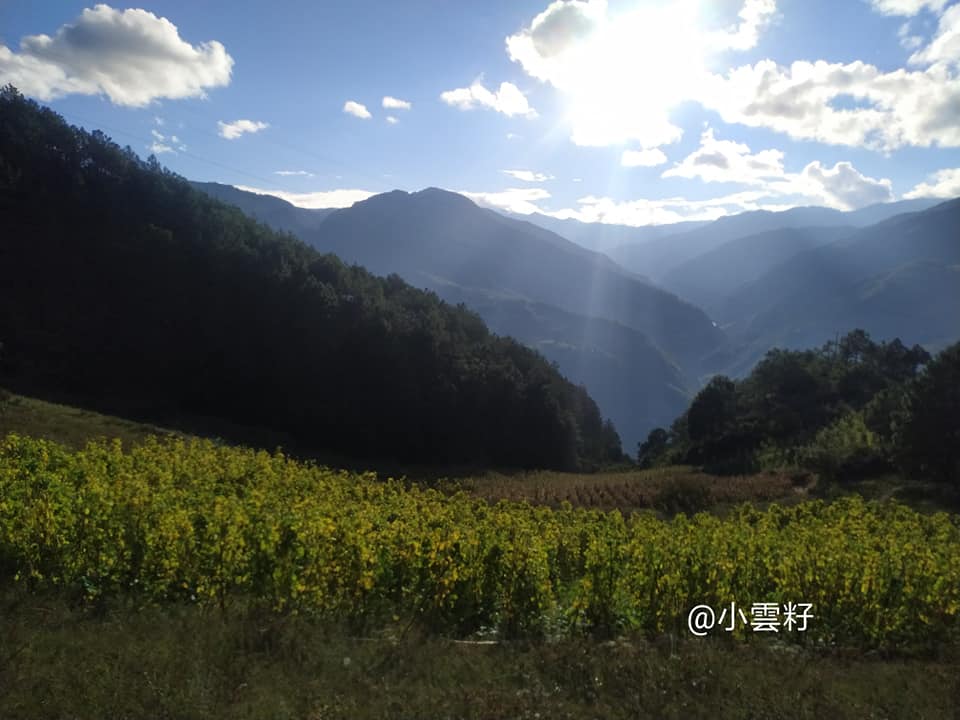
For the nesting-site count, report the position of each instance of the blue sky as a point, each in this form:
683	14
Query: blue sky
633	112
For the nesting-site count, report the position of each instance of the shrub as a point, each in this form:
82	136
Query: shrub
683	494
846	449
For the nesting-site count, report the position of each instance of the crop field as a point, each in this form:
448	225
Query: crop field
196	523
669	490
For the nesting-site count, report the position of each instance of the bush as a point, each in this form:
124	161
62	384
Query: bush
683	494
846	449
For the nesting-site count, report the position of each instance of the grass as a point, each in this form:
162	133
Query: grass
67	425
184	663
631	490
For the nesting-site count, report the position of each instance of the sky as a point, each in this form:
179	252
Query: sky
632	112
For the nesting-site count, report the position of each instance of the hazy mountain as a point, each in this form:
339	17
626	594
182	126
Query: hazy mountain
896	278
659	256
628	376
445	235
603	236
710	278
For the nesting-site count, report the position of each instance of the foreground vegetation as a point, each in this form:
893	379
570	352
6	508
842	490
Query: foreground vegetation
186	663
190	522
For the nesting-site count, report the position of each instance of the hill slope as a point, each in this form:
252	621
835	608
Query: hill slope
631	380
126	289
709	278
268	209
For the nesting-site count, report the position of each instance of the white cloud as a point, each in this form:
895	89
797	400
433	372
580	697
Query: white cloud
908	41
131	56
908	8
516	200
314	200
525	201
293	173
512	136
392	119
351	107
159	121
754	17
942	184
507	99
164	144
728	161
233	130
842	186
392	103
643	158
945	46
622	72
806	101
528	175
660	211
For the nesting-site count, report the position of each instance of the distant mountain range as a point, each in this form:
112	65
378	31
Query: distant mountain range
658	256
621	241
898	278
604	237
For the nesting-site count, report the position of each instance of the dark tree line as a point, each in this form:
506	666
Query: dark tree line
851	407
122	286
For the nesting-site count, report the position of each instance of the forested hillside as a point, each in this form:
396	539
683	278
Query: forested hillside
123	287
851	408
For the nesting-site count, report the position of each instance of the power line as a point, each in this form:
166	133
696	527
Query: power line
140	138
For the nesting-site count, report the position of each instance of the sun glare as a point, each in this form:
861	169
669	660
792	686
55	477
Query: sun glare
622	81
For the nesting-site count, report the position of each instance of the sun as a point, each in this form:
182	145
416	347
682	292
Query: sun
622	79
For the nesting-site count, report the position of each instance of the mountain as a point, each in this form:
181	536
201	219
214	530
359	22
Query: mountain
659	256
270	210
895	278
708	279
631	380
446	235
123	288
